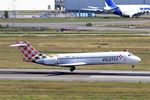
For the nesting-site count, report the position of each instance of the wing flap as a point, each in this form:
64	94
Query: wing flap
73	64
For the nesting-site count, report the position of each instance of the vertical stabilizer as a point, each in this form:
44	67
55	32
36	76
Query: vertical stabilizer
110	3
26	48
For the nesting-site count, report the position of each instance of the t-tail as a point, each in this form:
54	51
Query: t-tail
110	3
27	50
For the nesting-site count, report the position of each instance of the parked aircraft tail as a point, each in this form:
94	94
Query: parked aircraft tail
28	51
110	3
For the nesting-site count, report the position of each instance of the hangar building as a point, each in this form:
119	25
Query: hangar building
10	5
78	4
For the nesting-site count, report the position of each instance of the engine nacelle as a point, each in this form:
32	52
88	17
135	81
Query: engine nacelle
48	61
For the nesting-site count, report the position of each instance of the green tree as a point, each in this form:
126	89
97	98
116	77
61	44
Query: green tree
6	14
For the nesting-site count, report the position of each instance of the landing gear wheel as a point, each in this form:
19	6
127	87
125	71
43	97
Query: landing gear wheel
72	68
133	66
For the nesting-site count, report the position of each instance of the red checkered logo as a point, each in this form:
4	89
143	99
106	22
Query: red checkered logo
28	51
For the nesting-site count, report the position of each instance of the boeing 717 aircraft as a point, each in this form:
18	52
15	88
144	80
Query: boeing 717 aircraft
126	10
75	59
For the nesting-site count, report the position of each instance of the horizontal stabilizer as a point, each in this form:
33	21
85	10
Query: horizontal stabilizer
19	45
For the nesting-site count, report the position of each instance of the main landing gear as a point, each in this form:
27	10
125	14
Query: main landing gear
72	68
133	66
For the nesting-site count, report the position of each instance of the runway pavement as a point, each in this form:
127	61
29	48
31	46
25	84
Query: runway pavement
78	75
82	25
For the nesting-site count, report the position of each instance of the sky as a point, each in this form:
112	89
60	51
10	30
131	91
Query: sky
76	4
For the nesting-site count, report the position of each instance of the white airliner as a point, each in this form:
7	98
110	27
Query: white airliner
126	10
75	59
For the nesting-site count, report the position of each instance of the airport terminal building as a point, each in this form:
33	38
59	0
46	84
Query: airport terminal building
18	5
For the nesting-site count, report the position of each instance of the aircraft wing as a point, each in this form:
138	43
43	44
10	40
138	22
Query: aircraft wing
92	8
89	9
108	9
73	64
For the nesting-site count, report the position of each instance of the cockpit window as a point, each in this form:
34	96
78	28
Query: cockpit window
130	54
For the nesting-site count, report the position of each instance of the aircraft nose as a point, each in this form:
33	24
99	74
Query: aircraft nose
138	59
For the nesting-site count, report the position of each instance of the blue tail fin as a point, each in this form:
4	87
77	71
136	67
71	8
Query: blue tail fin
110	3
